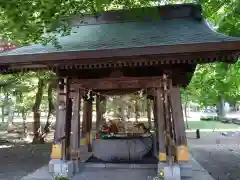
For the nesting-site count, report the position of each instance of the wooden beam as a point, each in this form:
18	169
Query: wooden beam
114	92
117	83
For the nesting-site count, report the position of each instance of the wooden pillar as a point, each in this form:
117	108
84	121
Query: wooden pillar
98	113
178	120
84	120
155	139
75	136
58	133
89	124
84	139
60	149
161	126
155	113
68	129
149	113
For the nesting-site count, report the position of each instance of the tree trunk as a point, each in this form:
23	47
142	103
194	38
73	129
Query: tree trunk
10	109
186	114
221	111
50	108
24	117
234	106
2	113
10	118
37	114
120	109
104	108
101	103
115	106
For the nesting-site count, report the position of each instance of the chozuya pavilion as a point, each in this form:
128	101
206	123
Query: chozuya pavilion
153	49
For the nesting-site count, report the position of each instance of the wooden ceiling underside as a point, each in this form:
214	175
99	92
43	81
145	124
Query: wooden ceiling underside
119	86
117	83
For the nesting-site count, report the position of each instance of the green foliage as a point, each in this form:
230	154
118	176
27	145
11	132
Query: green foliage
211	82
19	87
214	81
22	88
224	15
61	178
25	22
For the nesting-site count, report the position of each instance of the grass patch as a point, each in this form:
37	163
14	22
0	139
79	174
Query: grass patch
211	125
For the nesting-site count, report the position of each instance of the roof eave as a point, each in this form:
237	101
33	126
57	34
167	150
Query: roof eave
230	46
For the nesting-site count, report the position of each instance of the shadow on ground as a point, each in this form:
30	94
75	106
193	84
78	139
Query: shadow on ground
21	159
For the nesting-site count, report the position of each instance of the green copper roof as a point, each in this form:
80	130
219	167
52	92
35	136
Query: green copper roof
129	35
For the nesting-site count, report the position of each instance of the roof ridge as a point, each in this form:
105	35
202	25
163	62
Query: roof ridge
167	12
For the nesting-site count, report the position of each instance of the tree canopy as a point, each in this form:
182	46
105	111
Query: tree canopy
25	21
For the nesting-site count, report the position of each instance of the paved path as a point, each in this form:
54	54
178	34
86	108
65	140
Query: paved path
219	155
89	171
115	174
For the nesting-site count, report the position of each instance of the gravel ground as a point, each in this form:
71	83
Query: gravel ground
219	155
19	160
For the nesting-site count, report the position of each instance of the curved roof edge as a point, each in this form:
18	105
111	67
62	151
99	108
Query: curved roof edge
179	30
167	12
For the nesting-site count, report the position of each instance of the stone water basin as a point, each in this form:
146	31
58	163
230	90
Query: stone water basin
122	149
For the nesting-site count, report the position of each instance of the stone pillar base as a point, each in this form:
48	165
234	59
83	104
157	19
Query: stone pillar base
61	168
161	166
186	169
83	149
182	153
172	172
169	172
